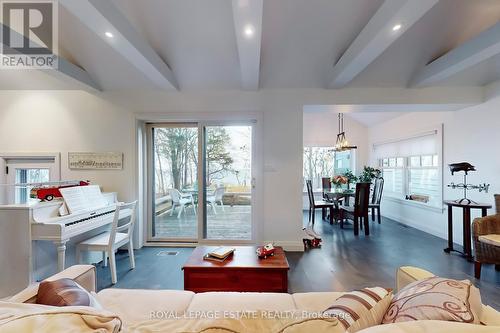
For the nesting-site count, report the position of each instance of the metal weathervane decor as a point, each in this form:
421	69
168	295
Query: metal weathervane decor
466	167
342	144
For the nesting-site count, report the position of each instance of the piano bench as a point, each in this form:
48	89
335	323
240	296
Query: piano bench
84	275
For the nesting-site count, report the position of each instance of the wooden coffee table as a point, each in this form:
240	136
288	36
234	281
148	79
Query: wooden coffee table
243	271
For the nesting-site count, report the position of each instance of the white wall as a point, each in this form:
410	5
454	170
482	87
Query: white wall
469	135
283	175
51	121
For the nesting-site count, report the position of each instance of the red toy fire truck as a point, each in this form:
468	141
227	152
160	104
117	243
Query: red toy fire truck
265	251
48	192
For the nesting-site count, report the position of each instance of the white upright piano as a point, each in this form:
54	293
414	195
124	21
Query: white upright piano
22	226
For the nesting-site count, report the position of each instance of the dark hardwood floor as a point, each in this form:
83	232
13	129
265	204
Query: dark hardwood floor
344	262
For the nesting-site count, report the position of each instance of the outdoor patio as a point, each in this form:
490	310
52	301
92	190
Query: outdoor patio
233	223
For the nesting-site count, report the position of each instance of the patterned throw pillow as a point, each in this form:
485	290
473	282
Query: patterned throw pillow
436	298
360	309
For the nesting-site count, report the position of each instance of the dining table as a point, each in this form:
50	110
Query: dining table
337	195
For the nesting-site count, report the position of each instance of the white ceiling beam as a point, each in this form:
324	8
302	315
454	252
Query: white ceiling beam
476	50
377	36
74	75
101	17
247	15
65	71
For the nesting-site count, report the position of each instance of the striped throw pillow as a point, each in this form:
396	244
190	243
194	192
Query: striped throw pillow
360	309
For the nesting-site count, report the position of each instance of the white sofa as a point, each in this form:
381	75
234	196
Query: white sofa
134	306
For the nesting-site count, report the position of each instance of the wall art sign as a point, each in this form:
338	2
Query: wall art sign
95	161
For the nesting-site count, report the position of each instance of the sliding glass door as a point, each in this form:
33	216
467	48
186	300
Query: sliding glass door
174	186
201	183
228	179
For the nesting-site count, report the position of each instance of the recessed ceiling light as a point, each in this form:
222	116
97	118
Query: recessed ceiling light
249	31
397	27
108	34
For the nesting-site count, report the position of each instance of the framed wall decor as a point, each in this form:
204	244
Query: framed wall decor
95	161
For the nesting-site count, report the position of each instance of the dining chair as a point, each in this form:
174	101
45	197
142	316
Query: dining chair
374	205
314	204
326	186
359	212
181	200
337	198
109	242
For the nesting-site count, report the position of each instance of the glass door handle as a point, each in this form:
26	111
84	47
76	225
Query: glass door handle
253	182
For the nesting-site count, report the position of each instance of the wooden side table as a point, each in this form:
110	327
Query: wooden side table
466	208
243	271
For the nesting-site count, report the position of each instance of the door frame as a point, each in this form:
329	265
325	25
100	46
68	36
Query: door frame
202	118
203	218
150	201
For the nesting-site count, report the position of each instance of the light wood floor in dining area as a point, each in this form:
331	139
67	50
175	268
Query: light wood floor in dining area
343	263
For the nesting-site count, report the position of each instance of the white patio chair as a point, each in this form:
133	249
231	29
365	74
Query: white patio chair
109	242
181	200
215	198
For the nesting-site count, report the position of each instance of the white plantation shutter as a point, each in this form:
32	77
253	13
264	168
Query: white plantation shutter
411	166
420	144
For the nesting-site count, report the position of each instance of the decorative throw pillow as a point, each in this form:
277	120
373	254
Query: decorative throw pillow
436	298
64	292
360	309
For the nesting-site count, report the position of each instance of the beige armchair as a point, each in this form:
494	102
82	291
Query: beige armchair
486	237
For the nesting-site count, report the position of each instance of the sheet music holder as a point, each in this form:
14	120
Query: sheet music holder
83	198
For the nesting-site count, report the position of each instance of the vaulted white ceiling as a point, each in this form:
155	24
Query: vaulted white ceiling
446	26
196	38
302	40
294	44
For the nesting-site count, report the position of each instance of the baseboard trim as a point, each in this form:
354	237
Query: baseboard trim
291	246
418	227
168	244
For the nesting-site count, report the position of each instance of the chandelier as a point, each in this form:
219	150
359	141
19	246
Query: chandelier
342	144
